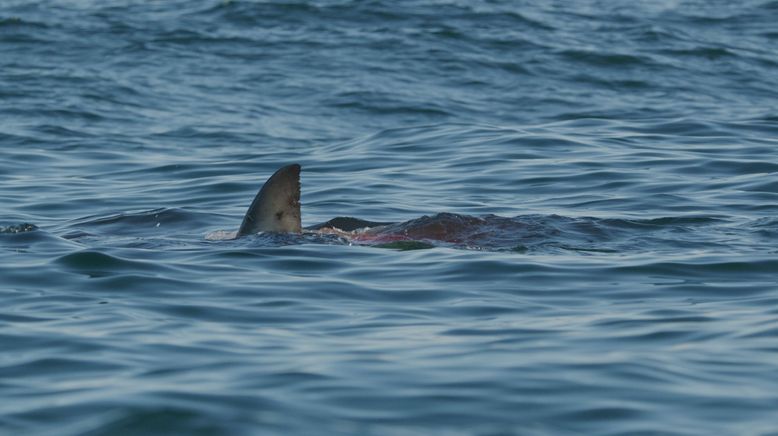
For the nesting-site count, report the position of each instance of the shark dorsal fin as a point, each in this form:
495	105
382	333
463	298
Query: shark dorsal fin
276	208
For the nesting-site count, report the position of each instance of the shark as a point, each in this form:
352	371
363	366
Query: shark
276	209
275	212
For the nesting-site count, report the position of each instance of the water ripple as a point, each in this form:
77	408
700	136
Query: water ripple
578	202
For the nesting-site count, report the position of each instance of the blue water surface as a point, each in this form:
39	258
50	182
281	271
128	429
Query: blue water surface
621	156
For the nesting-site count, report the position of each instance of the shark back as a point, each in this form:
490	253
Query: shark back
276	208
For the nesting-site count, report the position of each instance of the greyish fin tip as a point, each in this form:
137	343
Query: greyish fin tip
276	208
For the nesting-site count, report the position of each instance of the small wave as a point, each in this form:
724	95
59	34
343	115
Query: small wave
98	264
706	269
18	22
141	223
596	58
19	228
221	235
712	53
664	221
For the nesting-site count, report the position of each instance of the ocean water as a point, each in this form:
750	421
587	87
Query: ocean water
586	196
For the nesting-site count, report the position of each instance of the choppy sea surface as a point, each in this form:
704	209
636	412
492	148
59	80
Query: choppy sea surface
592	185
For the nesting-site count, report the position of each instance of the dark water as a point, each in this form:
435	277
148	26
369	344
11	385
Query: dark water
619	161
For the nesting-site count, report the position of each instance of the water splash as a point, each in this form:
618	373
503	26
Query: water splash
19	228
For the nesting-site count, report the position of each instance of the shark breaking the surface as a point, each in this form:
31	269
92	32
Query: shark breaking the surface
276	209
275	214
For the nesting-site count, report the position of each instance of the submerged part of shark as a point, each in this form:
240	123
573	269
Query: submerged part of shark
275	212
276	209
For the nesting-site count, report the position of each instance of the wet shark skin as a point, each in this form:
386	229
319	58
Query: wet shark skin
276	207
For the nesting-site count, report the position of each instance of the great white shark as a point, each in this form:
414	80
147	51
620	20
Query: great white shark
276	208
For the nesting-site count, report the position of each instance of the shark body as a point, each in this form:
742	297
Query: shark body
276	208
